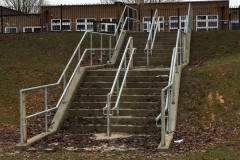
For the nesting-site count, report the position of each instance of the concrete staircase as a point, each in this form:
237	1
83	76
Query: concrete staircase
140	101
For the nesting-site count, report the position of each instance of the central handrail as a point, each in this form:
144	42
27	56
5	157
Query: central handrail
152	35
129	47
77	51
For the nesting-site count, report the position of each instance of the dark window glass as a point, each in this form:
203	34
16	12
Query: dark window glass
55	21
80	27
36	29
81	20
56	27
111	28
90	20
65	27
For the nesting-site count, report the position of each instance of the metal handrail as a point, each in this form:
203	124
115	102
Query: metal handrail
151	38
129	46
24	117
127	18
124	24
177	59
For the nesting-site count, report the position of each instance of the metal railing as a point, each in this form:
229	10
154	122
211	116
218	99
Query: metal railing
152	35
168	93
129	48
23	109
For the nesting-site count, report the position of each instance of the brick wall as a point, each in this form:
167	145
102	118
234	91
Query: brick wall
73	12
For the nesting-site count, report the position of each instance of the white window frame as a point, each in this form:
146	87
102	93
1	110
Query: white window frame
161	29
85	23
108	24
207	20
8	31
182	20
59	24
147	23
32	27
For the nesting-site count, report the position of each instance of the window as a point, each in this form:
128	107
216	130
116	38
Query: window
207	22
32	29
173	20
234	25
56	25
11	29
108	27
85	24
161	24
147	24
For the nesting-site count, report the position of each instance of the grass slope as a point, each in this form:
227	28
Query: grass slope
209	113
28	60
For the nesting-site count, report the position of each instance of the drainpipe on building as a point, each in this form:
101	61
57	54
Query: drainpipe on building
178	18
2	18
222	8
61	16
239	17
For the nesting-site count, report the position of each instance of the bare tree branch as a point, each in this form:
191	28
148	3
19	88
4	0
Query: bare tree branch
25	6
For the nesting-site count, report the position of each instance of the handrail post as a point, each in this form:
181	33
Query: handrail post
91	42
24	119
110	44
46	108
79	56
169	110
101	49
108	115
128	19
163	130
130	52
148	52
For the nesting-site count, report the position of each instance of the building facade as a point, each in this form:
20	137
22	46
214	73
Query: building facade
208	16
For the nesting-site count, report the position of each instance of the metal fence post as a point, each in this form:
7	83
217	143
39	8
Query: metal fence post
110	46
46	107
101	49
163	130
148	52
108	115
24	115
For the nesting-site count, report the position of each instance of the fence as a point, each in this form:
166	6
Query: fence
105	17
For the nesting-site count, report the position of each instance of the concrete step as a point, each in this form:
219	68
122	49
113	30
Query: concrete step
129	84
155	47
114	128
152	63
112	72
152	58
144	55
124	98
122	112
129	79
122	105
166	41
78	120
155	50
